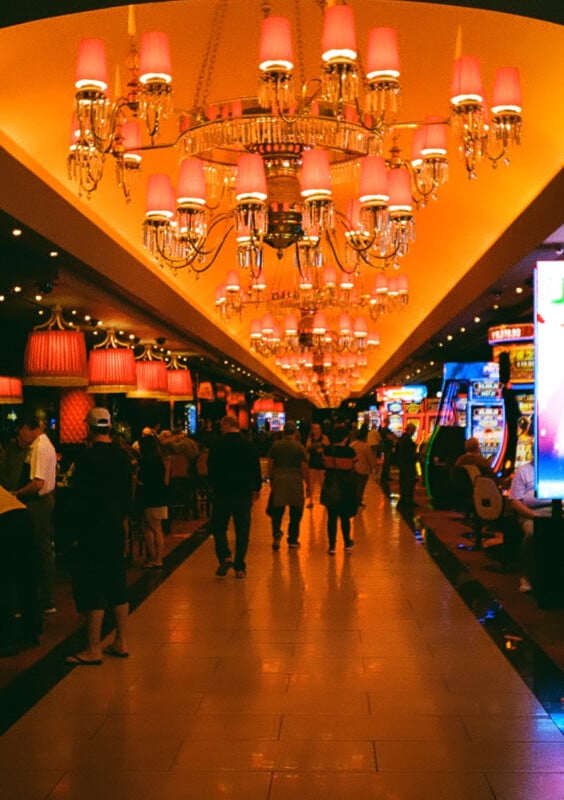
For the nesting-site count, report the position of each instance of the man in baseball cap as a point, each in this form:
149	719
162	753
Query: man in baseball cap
99	419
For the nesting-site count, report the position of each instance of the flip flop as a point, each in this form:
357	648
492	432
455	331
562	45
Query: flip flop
111	651
78	661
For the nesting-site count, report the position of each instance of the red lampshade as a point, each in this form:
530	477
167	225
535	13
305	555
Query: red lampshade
267	325
435	142
160	197
382	60
507	91
276	52
256	329
403	284
191	183
91	71
131	135
380	284
55	358
154	58
400	190
373	181
232	282
74	405
111	371
466	81
338	39
251	178
291	325
330	276
152	381
316	176
220	295
393	286
373	339
11	392
180	384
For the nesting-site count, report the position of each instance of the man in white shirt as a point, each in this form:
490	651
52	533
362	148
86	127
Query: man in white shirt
38	493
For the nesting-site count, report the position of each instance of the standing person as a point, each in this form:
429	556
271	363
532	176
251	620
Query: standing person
18	578
315	445
375	443
407	461
289	471
152	498
37	491
388	443
527	507
101	493
364	465
339	459
235	479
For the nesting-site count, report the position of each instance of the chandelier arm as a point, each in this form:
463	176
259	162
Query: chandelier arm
216	251
377	262
336	255
494	160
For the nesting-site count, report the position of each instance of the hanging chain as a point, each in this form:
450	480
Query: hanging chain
208	63
300	43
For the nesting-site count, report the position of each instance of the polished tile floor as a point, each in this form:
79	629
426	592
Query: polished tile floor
360	675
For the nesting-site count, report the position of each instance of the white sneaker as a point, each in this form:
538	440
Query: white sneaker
525	586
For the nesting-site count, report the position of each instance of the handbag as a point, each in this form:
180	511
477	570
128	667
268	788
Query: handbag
331	491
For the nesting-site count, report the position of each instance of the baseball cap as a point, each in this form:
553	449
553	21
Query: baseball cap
99	418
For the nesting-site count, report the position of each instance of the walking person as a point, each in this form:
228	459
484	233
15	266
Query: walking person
235	479
388	444
339	490
407	461
364	465
152	498
101	495
315	445
37	491
289	472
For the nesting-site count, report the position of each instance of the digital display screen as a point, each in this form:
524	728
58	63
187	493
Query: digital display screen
549	379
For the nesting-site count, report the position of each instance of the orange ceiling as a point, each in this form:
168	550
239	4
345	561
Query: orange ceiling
460	238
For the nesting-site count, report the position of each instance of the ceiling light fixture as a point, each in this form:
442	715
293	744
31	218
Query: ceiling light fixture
269	161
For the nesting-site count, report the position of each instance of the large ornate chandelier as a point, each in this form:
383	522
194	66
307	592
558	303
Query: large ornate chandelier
268	164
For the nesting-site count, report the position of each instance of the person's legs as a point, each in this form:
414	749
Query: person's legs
41	511
346	528
154	536
294	526
277	512
219	522
242	522
332	527
120	642
360	485
527	555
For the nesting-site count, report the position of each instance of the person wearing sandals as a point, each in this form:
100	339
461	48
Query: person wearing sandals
152	498
339	461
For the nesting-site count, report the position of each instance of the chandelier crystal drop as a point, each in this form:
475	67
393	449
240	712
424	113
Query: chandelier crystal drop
263	168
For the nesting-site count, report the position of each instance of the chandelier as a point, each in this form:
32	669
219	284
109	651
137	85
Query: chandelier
263	168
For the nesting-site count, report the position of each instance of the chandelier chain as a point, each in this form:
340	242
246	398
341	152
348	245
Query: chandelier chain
208	62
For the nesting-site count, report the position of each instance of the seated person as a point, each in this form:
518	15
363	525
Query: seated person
473	457
527	506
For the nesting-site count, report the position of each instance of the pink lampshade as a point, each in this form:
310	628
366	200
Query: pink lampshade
435	143
291	325
91	71
256	329
131	136
345	325
507	91
55	358
330	276
179	383
191	183
466	81
316	175
11	391
276	45
360	328
403	284
251	178
267	325
154	58
373	339
400	190
380	284
160	197
339	38
276	334
111	370
319	326
393	286
374	181
382	60
232	282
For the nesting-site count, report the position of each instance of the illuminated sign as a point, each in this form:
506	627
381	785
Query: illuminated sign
522	332
406	394
549	379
